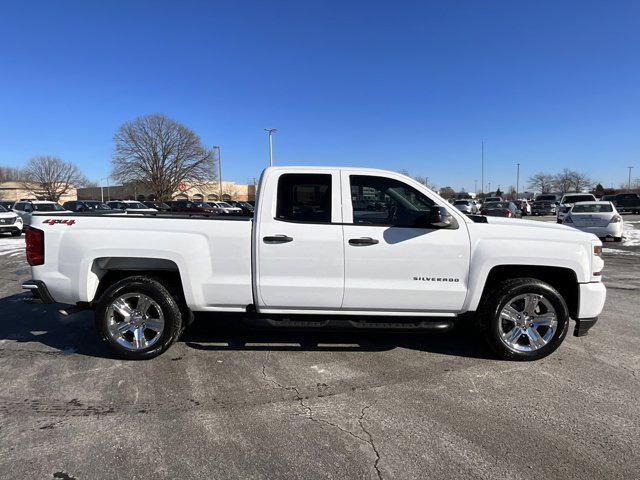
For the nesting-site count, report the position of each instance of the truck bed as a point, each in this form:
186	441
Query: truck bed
213	252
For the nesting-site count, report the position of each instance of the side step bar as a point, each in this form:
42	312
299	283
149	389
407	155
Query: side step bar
357	323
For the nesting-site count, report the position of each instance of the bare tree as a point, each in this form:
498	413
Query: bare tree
580	181
51	177
563	181
11	174
159	154
542	182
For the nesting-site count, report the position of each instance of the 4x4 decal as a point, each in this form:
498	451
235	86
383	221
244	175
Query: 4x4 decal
54	221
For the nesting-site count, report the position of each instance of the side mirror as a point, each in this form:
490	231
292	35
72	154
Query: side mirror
437	217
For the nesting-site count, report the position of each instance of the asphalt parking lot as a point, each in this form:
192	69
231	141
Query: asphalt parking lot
229	402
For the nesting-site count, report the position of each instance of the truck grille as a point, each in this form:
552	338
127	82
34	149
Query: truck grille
7	221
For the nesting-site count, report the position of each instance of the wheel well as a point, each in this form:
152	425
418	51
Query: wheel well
113	269
564	280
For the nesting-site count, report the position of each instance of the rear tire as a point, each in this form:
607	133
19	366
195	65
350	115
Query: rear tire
537	339
128	332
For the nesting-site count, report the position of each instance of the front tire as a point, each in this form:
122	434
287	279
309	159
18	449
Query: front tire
16	233
138	318
524	319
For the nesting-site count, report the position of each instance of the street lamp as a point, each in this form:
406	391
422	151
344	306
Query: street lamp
629	184
518	181
217	149
102	189
270	131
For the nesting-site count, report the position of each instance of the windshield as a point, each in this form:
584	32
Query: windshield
47	207
593	208
97	206
2	209
135	205
224	205
246	205
204	204
577	198
490	205
546	198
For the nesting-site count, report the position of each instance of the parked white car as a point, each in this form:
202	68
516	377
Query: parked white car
227	208
466	206
10	222
600	218
569	200
131	206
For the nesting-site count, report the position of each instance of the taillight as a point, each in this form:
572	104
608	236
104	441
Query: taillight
507	212
597	250
35	246
616	219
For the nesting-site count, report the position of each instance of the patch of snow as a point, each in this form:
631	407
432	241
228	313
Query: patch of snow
11	246
615	251
631	235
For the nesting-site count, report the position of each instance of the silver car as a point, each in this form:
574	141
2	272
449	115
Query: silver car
470	207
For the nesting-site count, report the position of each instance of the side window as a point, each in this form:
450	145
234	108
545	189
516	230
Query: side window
304	197
19	206
385	201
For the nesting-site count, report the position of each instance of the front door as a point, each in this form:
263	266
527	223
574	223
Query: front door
393	262
300	258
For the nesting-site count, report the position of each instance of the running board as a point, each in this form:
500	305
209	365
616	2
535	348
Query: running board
322	322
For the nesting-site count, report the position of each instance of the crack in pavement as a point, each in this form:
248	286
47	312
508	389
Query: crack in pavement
309	414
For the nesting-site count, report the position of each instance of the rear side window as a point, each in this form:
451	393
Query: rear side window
304	197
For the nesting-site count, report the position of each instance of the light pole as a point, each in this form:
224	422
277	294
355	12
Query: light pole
216	148
475	187
518	181
102	189
489	192
482	183
629	184
270	131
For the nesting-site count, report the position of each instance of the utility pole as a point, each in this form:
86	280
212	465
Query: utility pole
629	184
482	183
489	188
475	187
102	189
270	131
217	149
518	181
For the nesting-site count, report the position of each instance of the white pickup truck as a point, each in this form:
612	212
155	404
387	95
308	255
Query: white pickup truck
328	246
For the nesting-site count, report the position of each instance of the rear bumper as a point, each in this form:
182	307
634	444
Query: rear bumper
39	291
583	325
611	230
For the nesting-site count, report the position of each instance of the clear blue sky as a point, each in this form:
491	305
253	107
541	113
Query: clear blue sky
414	85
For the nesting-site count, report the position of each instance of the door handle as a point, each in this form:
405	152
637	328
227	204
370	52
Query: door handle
358	242
277	239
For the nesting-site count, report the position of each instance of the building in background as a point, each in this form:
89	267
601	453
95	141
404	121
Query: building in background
14	191
209	191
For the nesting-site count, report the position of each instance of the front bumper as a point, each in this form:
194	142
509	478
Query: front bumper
39	291
10	228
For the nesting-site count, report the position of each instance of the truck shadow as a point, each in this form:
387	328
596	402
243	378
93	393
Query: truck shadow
21	322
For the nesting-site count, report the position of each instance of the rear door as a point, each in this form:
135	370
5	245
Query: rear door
298	240
391	264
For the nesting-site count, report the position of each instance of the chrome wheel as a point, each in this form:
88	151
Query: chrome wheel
135	321
527	323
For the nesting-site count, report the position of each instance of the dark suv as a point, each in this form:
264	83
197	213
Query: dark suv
187	206
627	203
